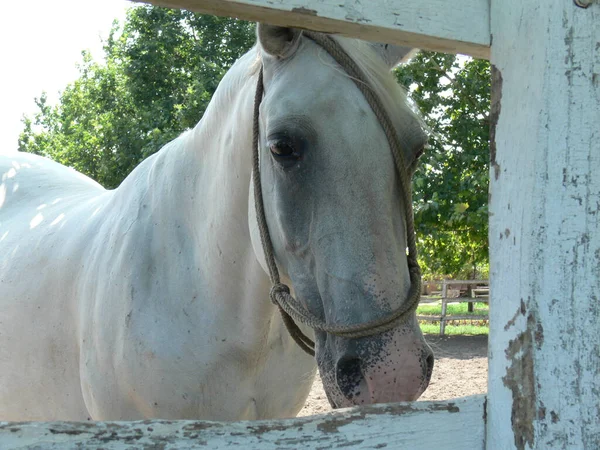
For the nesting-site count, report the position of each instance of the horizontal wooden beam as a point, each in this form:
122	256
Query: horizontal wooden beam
458	424
450	26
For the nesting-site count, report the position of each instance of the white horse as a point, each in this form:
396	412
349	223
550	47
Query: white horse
152	300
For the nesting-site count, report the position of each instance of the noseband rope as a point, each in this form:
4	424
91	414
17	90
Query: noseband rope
291	310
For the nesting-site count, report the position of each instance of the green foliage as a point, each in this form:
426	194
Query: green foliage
160	71
451	184
162	67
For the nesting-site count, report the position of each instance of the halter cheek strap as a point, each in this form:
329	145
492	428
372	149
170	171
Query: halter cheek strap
291	310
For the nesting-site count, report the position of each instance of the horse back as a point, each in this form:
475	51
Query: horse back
43	206
28	179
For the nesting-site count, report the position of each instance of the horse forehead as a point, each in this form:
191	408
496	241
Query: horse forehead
337	116
312	80
314	87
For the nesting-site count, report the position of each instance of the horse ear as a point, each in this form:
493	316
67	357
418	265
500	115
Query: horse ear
394	54
281	42
417	153
415	142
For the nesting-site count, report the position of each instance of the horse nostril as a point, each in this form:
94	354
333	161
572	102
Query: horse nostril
349	376
429	367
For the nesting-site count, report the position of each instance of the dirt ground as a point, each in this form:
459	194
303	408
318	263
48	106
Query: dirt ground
460	369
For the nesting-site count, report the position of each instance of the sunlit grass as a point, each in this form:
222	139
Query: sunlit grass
472	326
434	328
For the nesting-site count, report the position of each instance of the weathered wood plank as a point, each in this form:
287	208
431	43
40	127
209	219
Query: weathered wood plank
454	282
466	317
457	26
429	318
544	388
421	425
468	299
473	317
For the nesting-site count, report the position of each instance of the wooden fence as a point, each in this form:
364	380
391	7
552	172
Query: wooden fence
477	290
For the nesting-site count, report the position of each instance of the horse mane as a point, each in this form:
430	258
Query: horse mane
409	124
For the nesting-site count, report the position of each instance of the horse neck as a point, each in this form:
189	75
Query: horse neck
198	188
221	145
204	174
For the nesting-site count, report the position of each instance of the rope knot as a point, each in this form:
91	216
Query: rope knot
277	289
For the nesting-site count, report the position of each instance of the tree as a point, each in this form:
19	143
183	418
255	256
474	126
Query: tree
160	71
451	184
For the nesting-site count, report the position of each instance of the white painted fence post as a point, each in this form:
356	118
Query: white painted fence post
544	381
444	308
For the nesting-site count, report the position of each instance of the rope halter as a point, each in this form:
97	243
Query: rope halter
291	310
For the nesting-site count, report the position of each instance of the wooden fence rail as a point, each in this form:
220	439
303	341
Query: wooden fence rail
356	428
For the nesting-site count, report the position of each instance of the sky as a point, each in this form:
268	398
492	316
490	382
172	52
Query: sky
41	44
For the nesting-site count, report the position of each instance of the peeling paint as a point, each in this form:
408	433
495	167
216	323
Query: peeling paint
375	426
520	379
261	429
485	411
539	335
520	312
306	11
333	423
494	115
541	415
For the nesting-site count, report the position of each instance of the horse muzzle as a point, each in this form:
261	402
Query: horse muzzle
392	367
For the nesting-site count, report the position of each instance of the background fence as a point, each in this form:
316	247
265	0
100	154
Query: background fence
454	291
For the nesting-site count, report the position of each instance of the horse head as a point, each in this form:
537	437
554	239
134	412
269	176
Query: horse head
335	211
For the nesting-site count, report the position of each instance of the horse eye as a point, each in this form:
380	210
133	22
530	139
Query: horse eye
283	149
